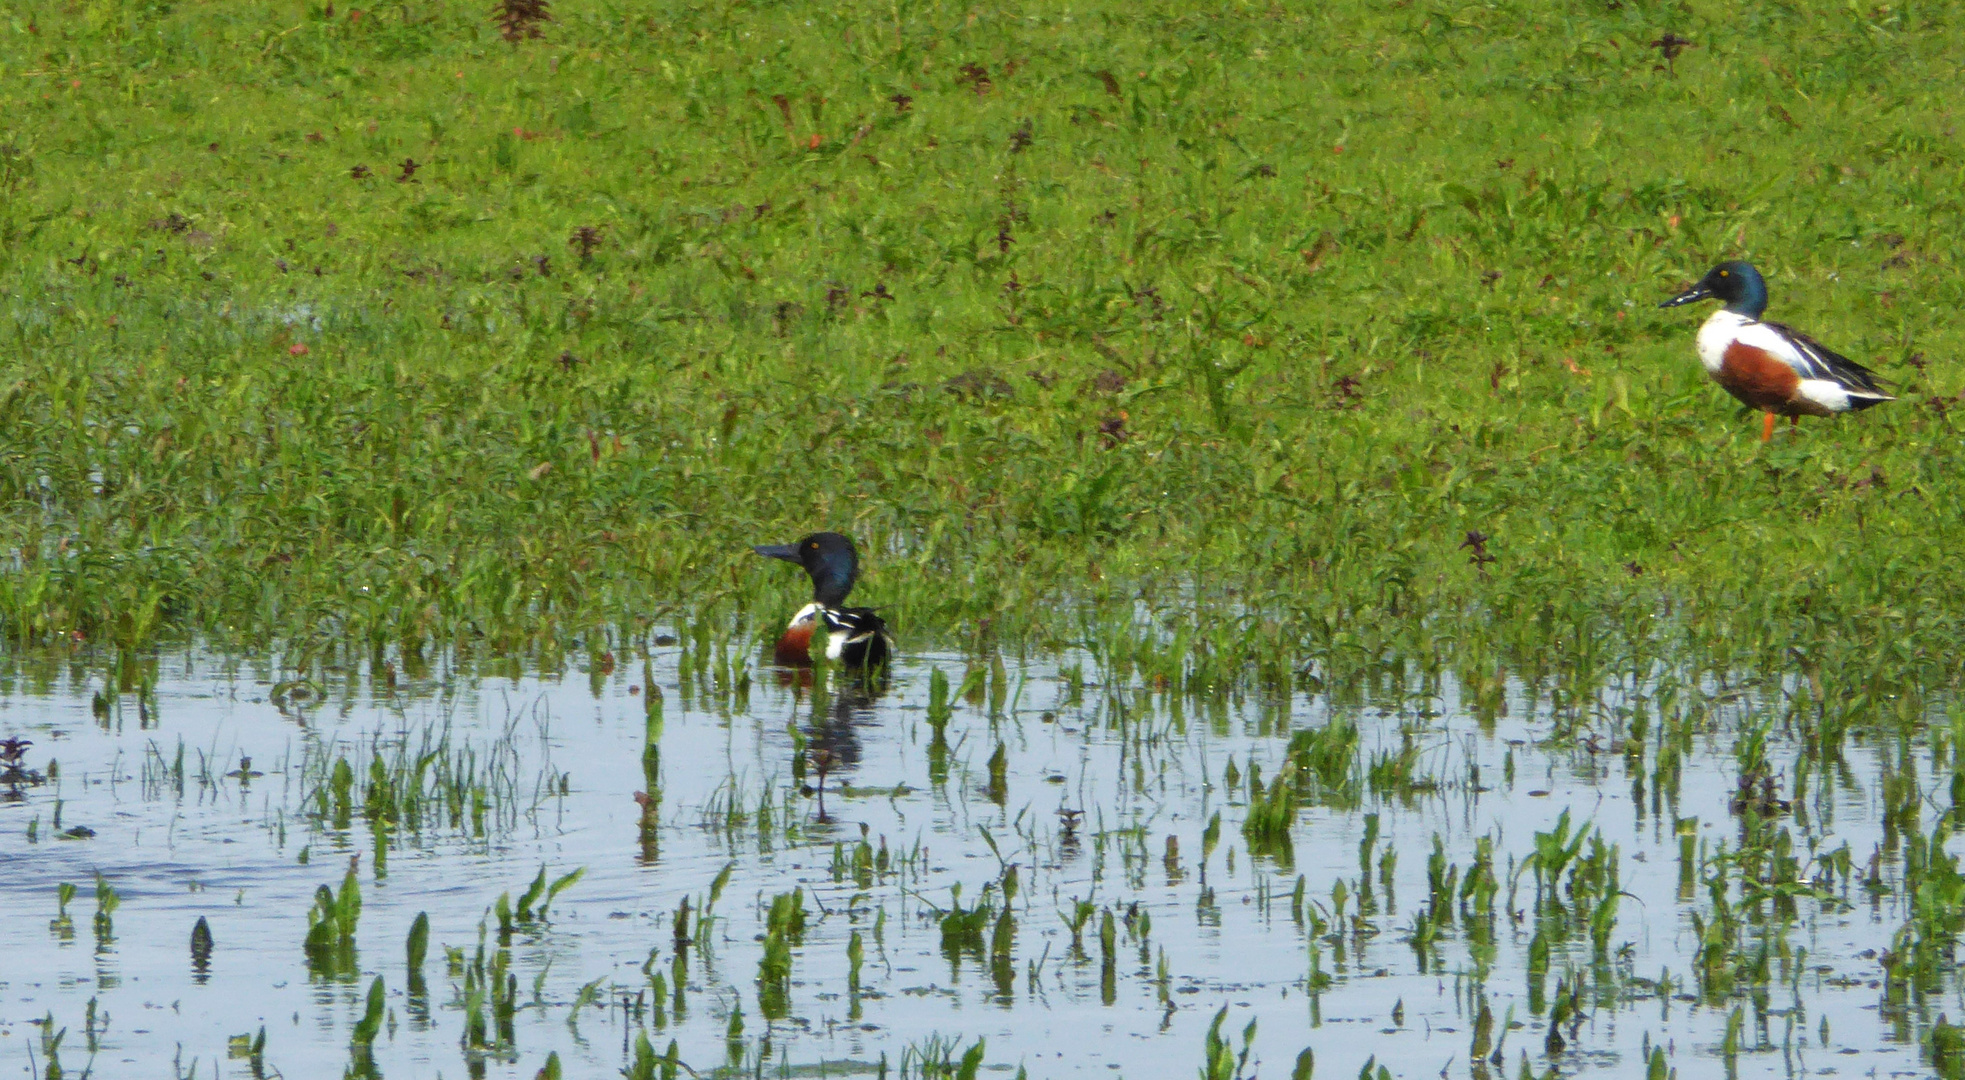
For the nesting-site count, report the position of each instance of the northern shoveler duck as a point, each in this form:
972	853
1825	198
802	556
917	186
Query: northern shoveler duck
1776	369
856	637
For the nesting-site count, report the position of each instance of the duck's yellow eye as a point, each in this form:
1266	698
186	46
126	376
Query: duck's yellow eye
813	546
1725	273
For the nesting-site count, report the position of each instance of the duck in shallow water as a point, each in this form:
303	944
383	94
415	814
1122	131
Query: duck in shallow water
855	637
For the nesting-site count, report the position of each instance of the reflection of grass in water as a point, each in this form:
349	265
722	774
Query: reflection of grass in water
1574	959
784	929
934	1058
768	817
331	926
1271	815
1570	944
413	788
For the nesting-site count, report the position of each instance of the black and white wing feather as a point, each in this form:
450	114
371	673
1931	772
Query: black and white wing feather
1815	360
859	636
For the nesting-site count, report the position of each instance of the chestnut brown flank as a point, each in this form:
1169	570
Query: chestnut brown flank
1760	379
795	647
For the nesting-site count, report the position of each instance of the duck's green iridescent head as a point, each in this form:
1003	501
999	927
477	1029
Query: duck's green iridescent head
1737	283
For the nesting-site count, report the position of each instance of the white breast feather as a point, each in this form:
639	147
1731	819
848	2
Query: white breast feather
1719	331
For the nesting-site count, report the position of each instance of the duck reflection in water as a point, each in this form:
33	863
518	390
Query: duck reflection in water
840	707
838	711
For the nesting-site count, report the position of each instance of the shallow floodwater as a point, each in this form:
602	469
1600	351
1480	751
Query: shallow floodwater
1105	796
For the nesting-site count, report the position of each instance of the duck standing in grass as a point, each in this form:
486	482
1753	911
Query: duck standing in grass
856	637
1776	369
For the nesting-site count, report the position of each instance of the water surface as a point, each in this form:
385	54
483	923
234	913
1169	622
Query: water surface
1107	792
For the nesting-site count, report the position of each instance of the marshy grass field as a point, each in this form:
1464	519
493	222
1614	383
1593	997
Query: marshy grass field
1259	430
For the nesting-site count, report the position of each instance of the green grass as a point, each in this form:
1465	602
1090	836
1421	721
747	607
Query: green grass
1203	339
